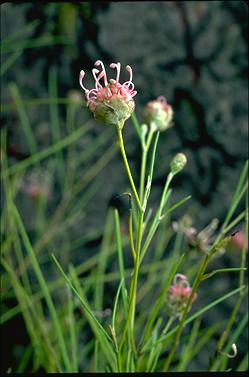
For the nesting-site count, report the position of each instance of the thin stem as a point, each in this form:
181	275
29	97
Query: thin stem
168	324
145	149
120	257
142	174
156	347
221	342
157	218
122	149
133	251
136	269
133	288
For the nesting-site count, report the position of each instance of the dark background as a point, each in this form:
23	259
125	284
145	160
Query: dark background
192	52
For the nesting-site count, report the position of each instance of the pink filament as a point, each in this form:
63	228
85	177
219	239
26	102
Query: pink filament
113	88
117	66
97	63
82	74
97	83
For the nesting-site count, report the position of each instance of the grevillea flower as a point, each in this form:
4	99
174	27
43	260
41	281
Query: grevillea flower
111	102
200	241
158	113
178	294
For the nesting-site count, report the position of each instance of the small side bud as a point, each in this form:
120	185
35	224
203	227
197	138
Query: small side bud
178	163
158	114
144	129
178	295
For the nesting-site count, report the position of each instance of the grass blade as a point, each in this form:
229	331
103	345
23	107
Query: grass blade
97	328
44	288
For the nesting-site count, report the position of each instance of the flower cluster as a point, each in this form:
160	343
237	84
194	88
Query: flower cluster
111	102
178	295
201	241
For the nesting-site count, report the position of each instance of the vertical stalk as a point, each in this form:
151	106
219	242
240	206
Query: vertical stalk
142	173
145	148
122	149
136	269
157	217
133	287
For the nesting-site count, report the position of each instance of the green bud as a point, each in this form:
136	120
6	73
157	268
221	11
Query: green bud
178	163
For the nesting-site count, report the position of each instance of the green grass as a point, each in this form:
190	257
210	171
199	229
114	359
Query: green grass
93	297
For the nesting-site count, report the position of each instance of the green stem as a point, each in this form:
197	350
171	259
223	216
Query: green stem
157	217
122	149
142	174
156	347
136	269
168	324
133	289
145	149
221	342
216	361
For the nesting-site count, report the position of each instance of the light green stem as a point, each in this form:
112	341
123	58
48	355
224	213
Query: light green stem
142	174
145	149
133	287
122	149
157	217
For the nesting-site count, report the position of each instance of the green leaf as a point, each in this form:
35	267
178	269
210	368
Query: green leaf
97	328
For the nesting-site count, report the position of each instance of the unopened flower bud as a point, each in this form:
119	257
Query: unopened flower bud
178	295
178	163
111	102
159	113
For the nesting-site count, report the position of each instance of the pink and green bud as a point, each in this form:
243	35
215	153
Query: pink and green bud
159	114
111	102
178	295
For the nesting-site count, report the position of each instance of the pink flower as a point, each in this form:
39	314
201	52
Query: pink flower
178	294
111	102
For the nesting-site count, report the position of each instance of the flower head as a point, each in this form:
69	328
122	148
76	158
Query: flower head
178	294
200	241
111	102
159	113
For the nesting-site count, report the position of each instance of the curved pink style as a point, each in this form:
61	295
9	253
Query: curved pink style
107	90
